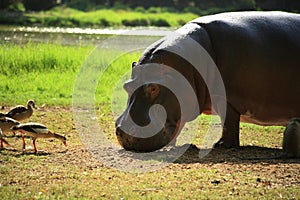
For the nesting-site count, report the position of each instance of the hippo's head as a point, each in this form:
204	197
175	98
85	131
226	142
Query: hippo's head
143	110
141	99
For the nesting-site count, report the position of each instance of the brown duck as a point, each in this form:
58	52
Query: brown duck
35	130
21	112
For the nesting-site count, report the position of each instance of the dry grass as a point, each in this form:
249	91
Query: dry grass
68	173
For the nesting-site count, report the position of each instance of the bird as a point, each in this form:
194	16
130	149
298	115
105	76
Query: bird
21	112
36	130
5	125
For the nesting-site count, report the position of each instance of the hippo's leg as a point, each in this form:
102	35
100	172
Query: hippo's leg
230	135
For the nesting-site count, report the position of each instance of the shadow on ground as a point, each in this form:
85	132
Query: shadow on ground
19	153
234	156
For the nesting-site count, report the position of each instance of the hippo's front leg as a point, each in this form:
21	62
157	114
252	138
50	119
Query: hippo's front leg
230	135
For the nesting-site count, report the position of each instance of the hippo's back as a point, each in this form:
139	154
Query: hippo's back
258	55
277	17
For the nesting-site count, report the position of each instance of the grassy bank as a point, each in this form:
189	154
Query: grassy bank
44	72
47	72
68	17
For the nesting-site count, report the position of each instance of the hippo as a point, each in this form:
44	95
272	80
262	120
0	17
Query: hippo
258	57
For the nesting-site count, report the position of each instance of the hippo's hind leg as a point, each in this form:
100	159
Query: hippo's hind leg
230	135
291	139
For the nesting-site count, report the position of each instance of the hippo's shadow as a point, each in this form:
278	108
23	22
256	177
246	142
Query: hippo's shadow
188	154
235	156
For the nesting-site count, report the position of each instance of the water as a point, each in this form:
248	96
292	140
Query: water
74	36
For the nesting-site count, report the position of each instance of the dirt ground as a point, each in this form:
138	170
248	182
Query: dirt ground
279	172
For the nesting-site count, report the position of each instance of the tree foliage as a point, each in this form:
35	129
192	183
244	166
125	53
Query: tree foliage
172	5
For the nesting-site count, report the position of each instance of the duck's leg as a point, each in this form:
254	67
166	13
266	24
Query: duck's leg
33	140
3	141
23	140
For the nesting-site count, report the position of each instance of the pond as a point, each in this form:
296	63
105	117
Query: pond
74	36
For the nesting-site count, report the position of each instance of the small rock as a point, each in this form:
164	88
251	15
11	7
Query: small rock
258	180
216	182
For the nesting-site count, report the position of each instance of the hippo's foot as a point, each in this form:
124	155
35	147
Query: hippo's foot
226	144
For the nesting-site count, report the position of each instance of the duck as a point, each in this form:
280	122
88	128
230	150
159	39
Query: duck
36	130
21	112
5	125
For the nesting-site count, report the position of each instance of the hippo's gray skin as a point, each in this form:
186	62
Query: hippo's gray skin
291	139
258	56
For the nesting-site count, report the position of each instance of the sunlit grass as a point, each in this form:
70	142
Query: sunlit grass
51	88
44	72
48	72
62	16
41	57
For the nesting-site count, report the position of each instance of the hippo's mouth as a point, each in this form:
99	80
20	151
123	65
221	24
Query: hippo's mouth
153	143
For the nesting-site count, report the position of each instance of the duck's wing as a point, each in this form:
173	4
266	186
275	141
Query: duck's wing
34	128
8	120
17	111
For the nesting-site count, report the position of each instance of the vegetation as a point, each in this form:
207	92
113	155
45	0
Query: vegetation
116	13
47	72
172	5
40	57
44	72
72	173
68	17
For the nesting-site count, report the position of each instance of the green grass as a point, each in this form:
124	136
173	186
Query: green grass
41	57
68	17
47	72
44	72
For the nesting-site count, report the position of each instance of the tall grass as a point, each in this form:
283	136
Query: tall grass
44	72
68	17
40	57
50	88
47	73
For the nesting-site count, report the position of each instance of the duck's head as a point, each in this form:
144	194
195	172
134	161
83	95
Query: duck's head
31	103
61	138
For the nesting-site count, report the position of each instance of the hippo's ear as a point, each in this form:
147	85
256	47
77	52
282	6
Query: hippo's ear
133	64
152	90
